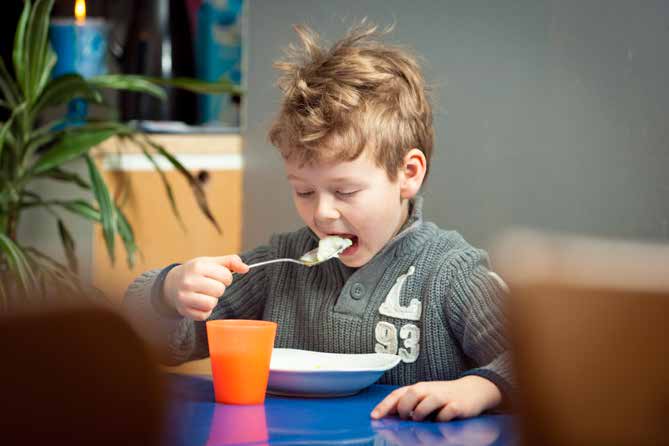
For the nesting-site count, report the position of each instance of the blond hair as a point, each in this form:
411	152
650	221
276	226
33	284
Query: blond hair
358	94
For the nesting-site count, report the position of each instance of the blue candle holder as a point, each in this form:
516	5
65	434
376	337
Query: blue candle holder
81	47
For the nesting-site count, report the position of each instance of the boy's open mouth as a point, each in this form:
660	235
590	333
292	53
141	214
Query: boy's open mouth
351	249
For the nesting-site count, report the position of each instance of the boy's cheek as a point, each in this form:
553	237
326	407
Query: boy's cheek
305	215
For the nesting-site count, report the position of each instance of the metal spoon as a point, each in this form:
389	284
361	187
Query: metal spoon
308	259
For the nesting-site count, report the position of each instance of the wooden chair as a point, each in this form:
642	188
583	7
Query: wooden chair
589	322
77	376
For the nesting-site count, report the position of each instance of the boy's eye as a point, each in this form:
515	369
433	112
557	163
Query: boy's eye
303	194
347	193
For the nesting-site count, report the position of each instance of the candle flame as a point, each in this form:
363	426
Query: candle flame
80	10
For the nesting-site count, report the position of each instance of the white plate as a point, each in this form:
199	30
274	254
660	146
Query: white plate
315	374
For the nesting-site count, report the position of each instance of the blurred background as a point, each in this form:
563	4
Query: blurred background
161	39
548	114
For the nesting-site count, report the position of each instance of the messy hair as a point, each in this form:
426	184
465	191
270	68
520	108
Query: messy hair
358	94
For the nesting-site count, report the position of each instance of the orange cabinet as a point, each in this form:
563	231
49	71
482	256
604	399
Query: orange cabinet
159	236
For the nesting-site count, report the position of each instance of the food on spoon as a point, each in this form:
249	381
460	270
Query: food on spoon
331	246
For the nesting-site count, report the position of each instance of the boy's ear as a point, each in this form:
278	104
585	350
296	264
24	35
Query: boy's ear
412	173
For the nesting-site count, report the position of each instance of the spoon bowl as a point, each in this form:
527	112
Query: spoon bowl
311	258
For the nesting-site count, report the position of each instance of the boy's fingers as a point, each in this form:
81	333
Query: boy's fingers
428	405
214	281
200	302
197	315
233	263
407	403
389	404
218	273
448	413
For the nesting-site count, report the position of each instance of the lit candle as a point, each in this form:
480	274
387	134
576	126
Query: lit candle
81	47
80	11
80	44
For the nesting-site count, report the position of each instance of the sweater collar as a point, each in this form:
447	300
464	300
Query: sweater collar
411	235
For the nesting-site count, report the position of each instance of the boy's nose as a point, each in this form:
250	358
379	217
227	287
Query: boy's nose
326	210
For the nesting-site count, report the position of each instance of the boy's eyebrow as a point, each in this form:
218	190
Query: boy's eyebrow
345	180
334	180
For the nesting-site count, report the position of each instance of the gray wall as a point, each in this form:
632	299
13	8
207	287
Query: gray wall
549	114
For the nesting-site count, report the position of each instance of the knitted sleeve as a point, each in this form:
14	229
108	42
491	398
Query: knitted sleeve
475	314
177	339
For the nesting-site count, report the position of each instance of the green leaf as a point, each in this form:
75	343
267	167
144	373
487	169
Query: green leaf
45	75
66	176
7	85
39	139
5	130
163	178
151	85
81	208
37	201
68	245
36	48
50	127
63	89
128	237
19	44
72	145
18	263
107	208
199	86
130	82
7	193
48	133
198	191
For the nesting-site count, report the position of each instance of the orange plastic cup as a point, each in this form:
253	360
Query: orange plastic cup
240	352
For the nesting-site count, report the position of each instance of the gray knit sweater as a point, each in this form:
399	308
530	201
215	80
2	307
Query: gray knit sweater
427	296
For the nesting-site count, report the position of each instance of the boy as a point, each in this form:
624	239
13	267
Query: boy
355	132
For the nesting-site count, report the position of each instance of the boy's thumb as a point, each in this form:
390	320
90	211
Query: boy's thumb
232	262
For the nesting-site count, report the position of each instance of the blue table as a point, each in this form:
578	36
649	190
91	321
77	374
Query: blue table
195	419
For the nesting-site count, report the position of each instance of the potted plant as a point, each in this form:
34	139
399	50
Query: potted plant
31	150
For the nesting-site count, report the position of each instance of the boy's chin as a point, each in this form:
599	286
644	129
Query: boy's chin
355	261
353	264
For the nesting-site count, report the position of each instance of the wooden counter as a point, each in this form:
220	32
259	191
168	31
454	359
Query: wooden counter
160	238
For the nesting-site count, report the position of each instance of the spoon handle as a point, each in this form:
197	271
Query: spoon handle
267	262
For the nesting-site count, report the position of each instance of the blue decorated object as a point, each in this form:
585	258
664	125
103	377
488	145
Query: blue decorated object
81	48
218	54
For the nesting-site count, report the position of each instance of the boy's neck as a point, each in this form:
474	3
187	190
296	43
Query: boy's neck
406	205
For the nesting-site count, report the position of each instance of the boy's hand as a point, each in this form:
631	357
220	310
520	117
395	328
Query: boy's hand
462	398
193	288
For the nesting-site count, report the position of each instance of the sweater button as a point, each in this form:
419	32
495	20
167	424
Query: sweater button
357	291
